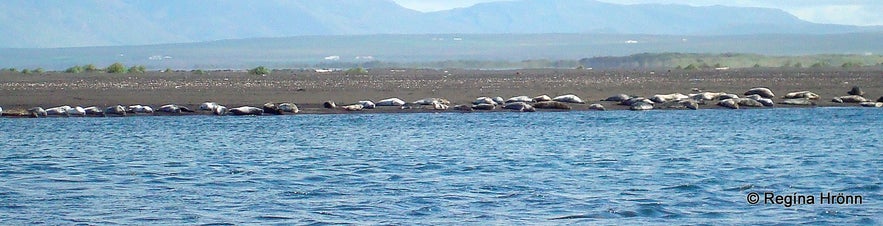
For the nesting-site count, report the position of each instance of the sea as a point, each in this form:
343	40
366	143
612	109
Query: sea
742	167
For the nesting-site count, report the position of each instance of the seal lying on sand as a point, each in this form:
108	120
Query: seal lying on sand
117	110
747	102
432	101
729	103
139	109
37	112
329	104
569	98
849	99
689	104
519	106
802	94
872	104
662	98
499	100
76	111
353	107
542	98
799	101
390	102
93	111
765	101
280	108
173	108
551	105
246	110
484	107
633	100
617	98
519	99
367	104
484	100
763	92
598	107
641	106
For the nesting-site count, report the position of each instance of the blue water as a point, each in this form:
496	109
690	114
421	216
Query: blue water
669	167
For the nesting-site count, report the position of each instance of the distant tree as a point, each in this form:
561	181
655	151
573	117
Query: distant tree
260	70
756	65
198	72
168	70
798	65
690	67
679	67
74	69
819	65
12	70
116	68
718	65
90	68
357	71
25	71
137	69
39	70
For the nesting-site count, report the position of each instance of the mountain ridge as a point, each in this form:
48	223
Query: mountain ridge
54	24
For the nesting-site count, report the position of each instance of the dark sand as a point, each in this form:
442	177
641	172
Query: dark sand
310	89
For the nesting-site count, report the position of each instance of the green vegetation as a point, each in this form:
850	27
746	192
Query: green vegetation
357	71
116	68
198	72
260	70
90	68
137	69
74	69
25	71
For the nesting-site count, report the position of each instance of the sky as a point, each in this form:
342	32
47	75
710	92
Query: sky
848	12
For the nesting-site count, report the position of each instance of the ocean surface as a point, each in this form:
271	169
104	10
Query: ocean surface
614	167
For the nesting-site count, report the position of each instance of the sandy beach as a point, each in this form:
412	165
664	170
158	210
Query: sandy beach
309	89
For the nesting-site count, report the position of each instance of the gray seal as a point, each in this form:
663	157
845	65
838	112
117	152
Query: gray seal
762	91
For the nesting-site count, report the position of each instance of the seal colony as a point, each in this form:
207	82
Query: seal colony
429	90
758	97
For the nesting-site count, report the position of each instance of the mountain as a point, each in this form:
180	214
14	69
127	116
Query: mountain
67	23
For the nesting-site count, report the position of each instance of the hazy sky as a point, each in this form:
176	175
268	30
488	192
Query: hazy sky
851	12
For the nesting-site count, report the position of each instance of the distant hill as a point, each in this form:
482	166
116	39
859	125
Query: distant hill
56	23
308	51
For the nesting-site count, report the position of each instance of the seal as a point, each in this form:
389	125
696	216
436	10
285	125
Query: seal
542	98
288	107
641	106
880	99
618	98
93	111
246	110
597	107
499	100
662	98
849	99
1	111
689	104
431	101
484	107
748	102
170	108
729	103
872	104
328	104
802	94
390	102
705	96
799	101
139	109
633	100
725	96
353	107
367	104
569	98
762	91
208	106
484	100
117	110
857	91
220	110
58	111
519	106
519	99
551	105
37	112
